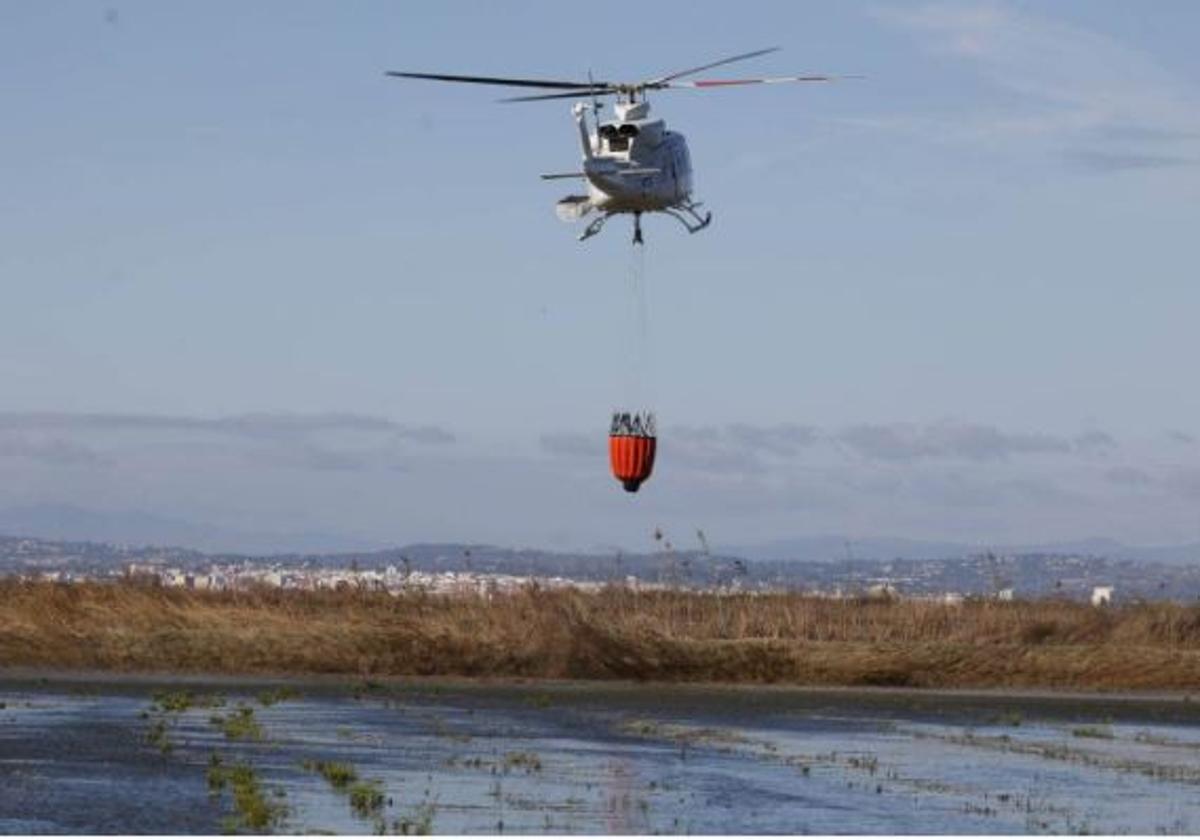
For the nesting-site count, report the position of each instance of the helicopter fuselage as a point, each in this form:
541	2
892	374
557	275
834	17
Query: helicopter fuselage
634	164
644	176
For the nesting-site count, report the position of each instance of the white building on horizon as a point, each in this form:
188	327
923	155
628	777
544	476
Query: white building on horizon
1102	596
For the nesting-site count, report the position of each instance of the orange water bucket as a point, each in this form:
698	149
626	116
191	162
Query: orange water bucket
631	446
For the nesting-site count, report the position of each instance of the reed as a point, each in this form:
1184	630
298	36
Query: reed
616	632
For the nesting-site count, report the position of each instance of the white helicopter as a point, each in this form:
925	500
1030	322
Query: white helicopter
632	164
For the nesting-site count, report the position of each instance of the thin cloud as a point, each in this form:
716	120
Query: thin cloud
1094	442
572	445
327	459
1132	477
259	425
711	461
333	442
785	440
1185	482
1104	162
1107	106
957	490
748	449
907	442
54	452
737	449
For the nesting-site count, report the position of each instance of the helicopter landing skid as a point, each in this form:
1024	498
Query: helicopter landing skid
697	223
686	214
597	224
593	227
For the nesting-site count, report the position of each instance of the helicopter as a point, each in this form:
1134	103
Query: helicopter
631	164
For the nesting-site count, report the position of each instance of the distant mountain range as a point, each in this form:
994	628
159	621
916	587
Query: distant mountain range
831	547
66	522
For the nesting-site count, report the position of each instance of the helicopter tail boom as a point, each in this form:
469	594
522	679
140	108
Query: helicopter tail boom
578	110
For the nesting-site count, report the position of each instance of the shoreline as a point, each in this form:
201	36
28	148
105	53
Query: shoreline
345	683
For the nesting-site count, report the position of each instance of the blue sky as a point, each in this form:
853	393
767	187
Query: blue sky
252	283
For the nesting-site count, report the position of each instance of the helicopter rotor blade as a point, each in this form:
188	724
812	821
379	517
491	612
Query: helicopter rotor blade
713	83
662	80
550	84
574	94
595	98
595	89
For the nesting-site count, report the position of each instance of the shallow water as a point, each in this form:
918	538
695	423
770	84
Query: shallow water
79	755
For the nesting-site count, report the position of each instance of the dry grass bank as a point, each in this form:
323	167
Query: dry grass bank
616	633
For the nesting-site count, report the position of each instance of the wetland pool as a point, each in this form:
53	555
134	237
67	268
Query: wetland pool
88	754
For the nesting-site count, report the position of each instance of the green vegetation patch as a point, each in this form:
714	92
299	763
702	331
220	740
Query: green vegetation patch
277	695
216	774
541	700
178	702
253	810
366	798
158	736
528	761
419	821
165	709
1008	718
692	735
368	688
239	726
172	701
1104	732
339	775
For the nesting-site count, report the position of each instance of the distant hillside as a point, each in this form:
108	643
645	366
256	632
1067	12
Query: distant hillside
830	547
67	522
